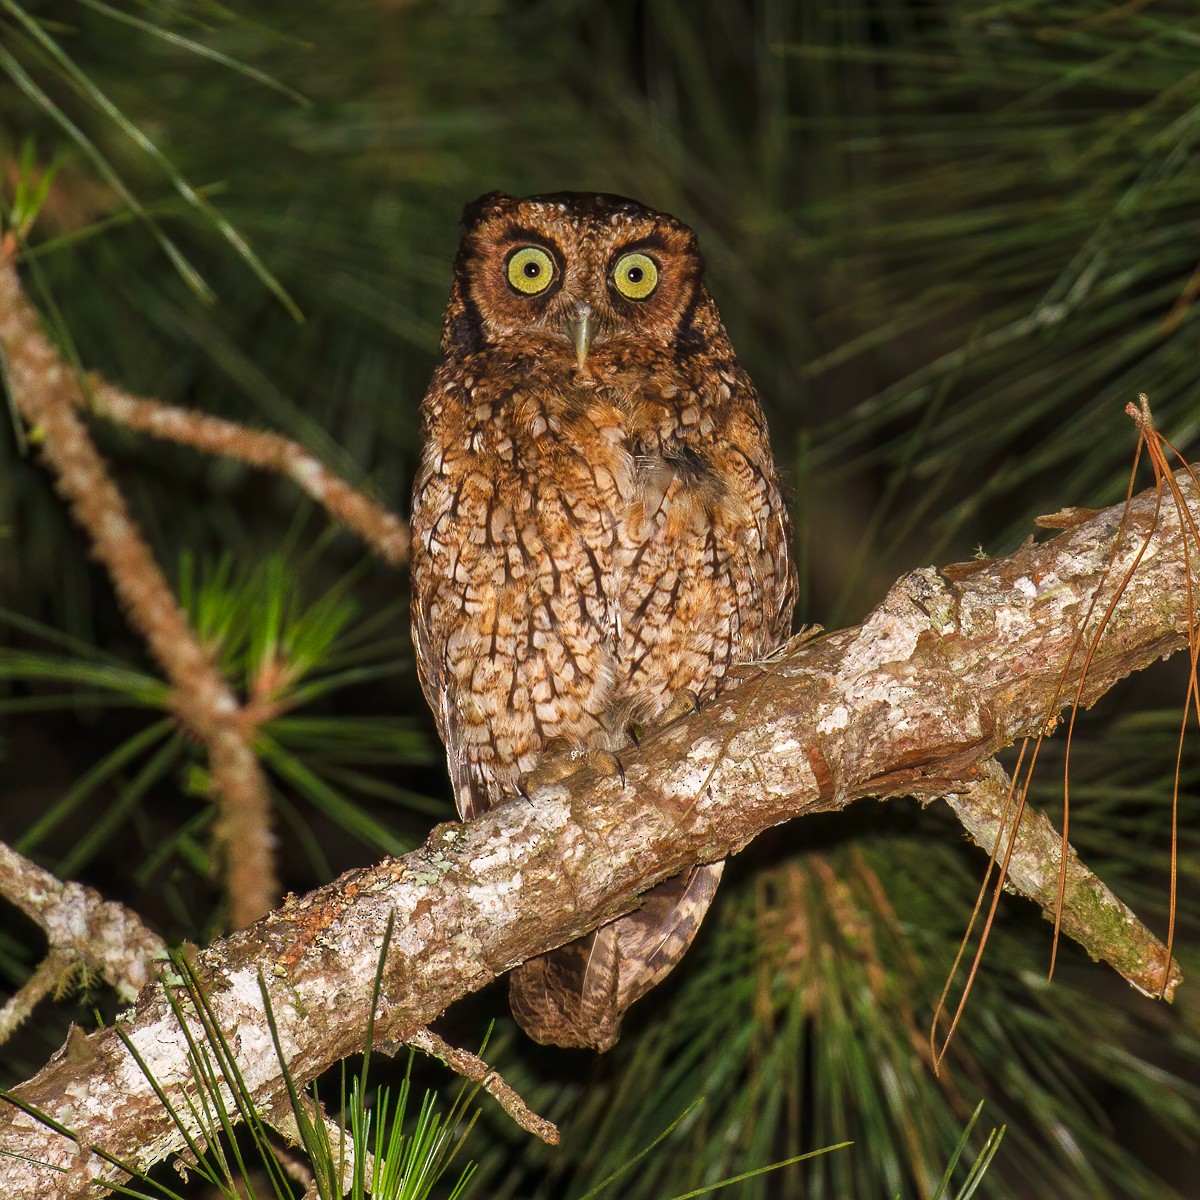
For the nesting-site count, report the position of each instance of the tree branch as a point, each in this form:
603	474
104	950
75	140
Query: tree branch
83	929
948	670
47	394
1100	922
383	531
471	1066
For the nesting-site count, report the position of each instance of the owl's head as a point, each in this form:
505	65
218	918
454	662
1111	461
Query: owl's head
575	272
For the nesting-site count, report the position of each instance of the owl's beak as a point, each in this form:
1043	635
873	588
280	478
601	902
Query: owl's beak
580	329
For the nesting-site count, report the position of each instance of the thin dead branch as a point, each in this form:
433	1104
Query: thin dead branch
471	1066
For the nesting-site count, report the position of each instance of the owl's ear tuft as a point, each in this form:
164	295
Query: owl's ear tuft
485	206
462	329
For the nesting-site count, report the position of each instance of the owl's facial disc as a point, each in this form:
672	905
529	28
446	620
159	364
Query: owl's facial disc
583	277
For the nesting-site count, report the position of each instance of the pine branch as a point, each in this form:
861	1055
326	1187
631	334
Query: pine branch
1091	914
383	531
47	394
949	669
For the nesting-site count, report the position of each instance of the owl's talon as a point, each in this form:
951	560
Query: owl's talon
617	766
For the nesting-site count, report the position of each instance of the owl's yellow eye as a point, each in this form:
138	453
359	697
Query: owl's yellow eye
635	276
530	270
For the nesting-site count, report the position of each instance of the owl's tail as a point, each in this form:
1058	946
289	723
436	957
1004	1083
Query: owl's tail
576	995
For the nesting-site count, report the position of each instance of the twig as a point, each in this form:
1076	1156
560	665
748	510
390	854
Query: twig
383	531
47	393
50	974
83	929
1105	926
471	1066
341	1146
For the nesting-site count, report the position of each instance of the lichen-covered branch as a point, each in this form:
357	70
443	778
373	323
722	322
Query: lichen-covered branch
83	930
47	394
1100	922
950	668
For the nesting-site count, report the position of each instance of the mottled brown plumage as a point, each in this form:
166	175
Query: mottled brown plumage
597	527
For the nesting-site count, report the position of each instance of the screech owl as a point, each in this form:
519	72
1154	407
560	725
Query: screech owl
598	529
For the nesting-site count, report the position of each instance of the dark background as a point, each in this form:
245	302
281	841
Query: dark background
950	240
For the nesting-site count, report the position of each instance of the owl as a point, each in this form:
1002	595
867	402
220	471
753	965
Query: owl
598	532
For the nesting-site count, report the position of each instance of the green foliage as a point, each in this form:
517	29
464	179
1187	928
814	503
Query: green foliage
29	190
35	40
978	1168
289	660
1026	203
951	239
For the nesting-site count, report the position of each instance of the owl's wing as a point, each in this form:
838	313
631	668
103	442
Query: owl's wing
786	584
655	937
430	647
551	1003
470	789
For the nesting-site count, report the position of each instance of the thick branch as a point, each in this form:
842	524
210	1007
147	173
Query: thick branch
948	670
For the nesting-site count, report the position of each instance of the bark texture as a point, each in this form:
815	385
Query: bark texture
951	667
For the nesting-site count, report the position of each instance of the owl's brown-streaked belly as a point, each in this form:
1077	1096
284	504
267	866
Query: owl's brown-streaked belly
579	563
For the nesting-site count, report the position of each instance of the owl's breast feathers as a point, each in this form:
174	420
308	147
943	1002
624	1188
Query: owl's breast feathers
585	547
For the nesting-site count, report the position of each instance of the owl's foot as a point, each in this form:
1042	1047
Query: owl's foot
683	704
558	764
